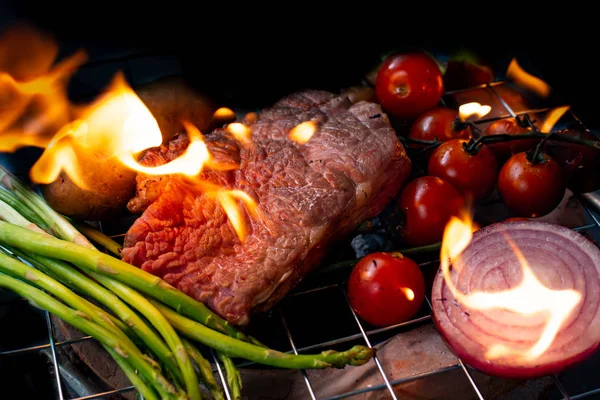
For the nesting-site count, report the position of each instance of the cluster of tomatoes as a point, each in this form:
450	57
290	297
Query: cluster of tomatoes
531	180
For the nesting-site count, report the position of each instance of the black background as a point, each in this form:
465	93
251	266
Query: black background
257	53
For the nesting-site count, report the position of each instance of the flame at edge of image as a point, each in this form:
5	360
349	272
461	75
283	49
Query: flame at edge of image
526	80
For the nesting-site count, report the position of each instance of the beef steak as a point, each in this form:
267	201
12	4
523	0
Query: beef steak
307	195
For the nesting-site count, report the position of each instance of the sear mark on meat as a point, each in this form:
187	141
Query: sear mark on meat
307	195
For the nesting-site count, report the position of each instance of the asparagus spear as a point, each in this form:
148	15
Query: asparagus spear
161	324
234	379
96	261
22	209
146	391
57	223
103	335
147	283
204	370
100	238
86	285
89	287
18	269
357	355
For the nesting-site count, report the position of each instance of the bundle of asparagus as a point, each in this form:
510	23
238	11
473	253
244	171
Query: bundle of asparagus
46	260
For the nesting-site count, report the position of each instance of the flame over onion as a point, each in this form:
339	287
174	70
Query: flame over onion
518	299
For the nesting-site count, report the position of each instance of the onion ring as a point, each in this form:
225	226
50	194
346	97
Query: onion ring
560	259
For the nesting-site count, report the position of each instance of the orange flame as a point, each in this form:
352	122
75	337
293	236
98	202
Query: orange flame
224	113
117	127
529	298
303	132
240	132
524	79
408	292
33	100
473	109
553	117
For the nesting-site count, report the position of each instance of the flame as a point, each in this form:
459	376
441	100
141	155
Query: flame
224	113
468	110
408	292
553	117
240	132
524	79
529	298
116	127
33	100
303	132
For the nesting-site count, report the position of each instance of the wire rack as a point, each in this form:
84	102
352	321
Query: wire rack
368	335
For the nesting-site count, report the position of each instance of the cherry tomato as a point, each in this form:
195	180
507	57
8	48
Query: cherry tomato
474	176
409	84
438	123
530	190
428	203
504	150
386	288
581	163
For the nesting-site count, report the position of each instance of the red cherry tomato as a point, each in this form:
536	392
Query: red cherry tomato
409	84
504	150
530	190
438	123
582	163
474	176
428	203
386	288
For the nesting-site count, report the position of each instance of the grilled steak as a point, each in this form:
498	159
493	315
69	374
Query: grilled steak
307	195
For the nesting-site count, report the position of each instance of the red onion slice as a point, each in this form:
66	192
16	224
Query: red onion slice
560	259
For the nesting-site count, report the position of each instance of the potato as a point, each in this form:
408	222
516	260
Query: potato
110	185
170	100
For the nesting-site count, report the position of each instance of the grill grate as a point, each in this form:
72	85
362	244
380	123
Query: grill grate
366	335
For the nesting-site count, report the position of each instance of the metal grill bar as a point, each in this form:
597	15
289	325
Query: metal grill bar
368	342
470	378
221	374
106	394
586	394
54	358
395	382
289	336
561	388
44	346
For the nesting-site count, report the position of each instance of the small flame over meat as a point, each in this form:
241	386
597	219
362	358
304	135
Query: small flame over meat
473	109
224	113
531	297
35	111
240	132
524	79
553	117
303	132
